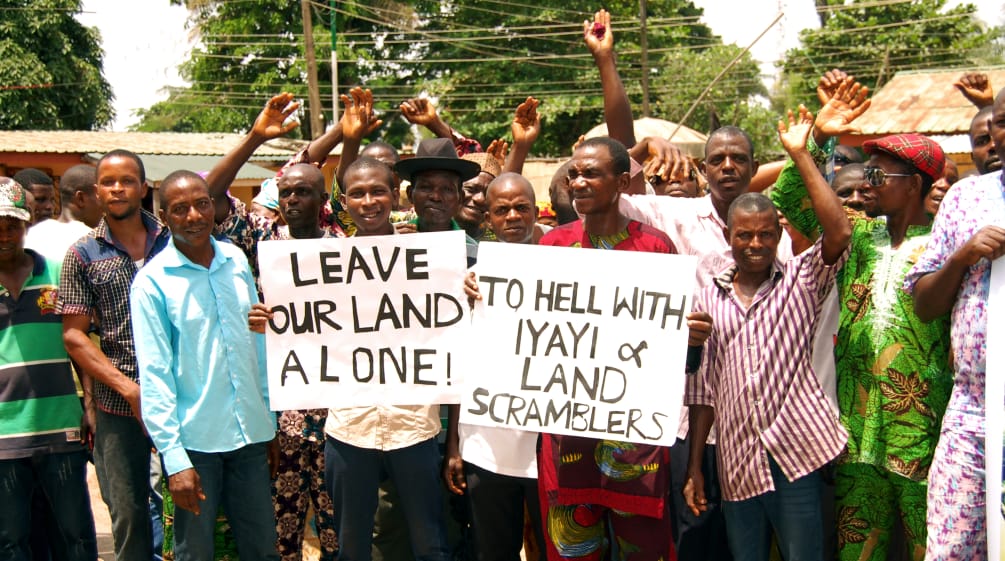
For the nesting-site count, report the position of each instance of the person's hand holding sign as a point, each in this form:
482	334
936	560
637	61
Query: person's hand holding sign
258	316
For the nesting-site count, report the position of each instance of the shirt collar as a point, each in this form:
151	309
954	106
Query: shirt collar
150	223
724	280
706	211
174	258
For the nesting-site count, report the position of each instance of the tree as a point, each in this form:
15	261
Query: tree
731	100
478	59
486	57
254	49
50	68
872	42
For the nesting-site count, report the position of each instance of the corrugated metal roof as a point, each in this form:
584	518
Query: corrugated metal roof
82	142
159	166
925	102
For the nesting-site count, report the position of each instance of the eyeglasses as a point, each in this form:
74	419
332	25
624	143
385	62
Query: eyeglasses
876	176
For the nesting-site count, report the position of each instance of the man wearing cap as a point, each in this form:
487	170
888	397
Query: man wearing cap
40	444
471	214
893	374
954	275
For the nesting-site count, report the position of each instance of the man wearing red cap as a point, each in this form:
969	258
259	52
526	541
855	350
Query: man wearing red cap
893	374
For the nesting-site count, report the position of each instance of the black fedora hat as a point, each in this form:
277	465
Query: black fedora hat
436	154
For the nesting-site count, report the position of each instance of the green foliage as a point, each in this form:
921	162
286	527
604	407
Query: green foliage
546	57
50	68
254	49
478	59
873	42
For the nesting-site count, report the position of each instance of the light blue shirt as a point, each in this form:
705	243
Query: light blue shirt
203	383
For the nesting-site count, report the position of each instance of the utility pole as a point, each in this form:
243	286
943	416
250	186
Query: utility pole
313	95
644	44
335	90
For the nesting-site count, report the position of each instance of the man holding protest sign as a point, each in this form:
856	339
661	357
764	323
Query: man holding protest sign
495	467
775	427
364	441
588	494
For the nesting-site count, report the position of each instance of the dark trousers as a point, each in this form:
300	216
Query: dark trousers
703	537
496	503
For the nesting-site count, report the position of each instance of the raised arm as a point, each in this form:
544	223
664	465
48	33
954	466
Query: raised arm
268	125
847	102
617	108
357	122
526	128
976	87
421	111
830	213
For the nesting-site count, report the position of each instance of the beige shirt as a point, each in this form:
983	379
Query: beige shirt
383	427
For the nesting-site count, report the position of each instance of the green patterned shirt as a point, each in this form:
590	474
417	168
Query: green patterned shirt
893	371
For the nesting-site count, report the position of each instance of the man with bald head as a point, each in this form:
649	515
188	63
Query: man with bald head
496	468
190	307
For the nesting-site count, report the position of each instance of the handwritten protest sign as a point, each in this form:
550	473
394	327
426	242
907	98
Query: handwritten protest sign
580	342
994	395
364	320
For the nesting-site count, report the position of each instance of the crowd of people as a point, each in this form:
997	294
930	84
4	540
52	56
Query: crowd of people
840	313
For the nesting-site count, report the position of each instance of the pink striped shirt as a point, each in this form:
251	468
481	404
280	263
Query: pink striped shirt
757	375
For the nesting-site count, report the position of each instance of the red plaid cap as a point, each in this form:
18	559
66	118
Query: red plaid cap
916	149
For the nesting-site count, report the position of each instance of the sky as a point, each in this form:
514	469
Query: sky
141	60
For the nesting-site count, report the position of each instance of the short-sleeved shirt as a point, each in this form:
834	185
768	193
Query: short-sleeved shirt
97	272
38	401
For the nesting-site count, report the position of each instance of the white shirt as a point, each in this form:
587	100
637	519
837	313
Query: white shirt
500	450
52	238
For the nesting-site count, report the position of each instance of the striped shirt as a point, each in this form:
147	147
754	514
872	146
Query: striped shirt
758	377
39	408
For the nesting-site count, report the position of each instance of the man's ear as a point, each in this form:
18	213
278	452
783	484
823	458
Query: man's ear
754	164
725	232
408	192
162	215
624	182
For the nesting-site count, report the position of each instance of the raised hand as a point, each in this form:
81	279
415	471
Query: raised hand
358	119
419	111
498	149
849	102
793	136
269	123
597	34
829	83
526	122
976	87
662	159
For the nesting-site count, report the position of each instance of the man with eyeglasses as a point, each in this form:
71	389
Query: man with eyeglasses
893	375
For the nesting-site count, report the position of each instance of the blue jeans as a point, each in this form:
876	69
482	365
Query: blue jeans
352	476
793	510
239	480
62	480
122	464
